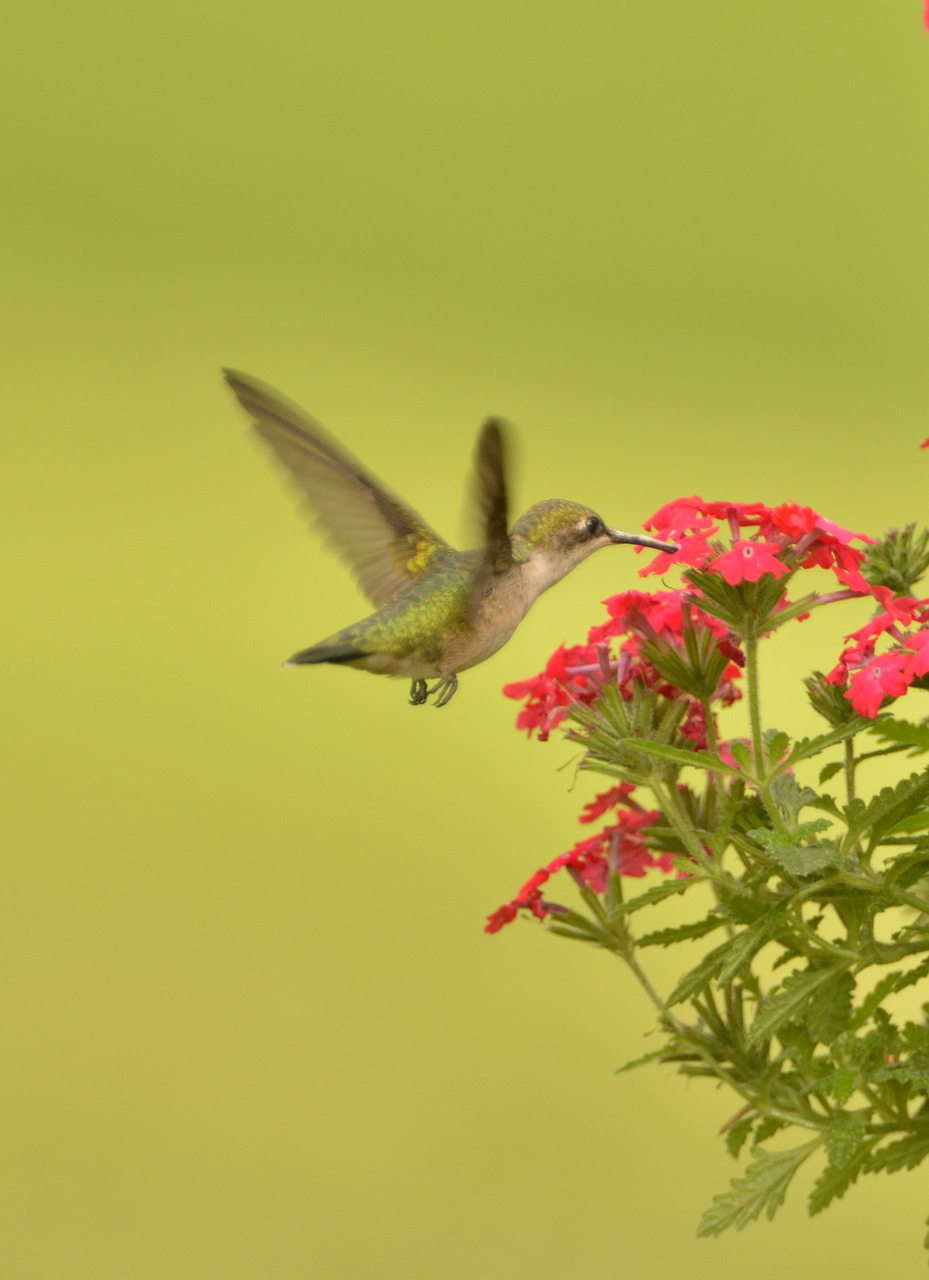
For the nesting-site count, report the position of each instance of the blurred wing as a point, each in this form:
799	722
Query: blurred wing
386	543
490	477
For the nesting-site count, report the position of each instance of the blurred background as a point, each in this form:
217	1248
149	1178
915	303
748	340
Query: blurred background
252	1027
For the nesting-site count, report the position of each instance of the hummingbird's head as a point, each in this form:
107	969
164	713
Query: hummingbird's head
554	536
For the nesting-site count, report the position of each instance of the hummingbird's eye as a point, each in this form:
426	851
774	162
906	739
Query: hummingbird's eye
592	526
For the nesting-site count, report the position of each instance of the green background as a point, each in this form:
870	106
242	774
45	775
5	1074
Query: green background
252	1027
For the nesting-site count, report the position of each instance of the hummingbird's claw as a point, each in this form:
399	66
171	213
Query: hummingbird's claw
418	693
446	689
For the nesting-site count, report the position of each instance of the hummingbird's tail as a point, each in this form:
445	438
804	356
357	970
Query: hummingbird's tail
327	653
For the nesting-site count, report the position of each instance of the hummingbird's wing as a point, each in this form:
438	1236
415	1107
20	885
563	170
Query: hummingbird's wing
386	543
490	478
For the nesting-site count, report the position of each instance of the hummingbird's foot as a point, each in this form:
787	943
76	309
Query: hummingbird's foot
446	689
418	693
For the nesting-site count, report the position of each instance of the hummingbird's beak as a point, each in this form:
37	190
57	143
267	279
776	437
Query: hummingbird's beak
640	540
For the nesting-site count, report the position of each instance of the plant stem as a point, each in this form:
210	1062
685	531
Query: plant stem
754	714
850	769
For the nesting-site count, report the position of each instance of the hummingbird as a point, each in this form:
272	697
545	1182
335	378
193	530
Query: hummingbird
438	611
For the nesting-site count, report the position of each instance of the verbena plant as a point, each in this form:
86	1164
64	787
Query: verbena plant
817	914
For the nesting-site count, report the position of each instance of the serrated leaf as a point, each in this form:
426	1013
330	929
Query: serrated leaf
889	806
917	1078
681	932
789	796
912	976
916	822
751	940
737	1134
905	1153
769	1126
766	837
698	978
808	747
874	999
790	1001
776	743
830	770
761	1189
805	859
833	1182
830	1008
907	868
843	1084
741	753
657	1055
675	755
911	735
846	1136
828	805
657	893
814	827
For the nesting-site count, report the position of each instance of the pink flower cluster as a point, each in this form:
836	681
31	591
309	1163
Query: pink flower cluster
620	846
785	537
871	677
579	673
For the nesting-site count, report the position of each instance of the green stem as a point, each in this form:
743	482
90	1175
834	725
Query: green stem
754	715
667	798
850	769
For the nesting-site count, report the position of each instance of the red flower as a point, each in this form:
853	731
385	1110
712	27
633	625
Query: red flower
606	800
885	676
918	646
549	693
742	515
693	550
747	561
620	844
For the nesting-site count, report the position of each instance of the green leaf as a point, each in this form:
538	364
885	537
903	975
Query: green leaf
876	998
657	893
675	755
907	868
913	1077
738	1133
830	1008
808	747
905	1153
741	753
843	1084
828	805
912	976
765	836
769	1126
700	977
576	935
657	1055
750	940
681	932
790	797
761	1189
775	744
911	735
790	1000
805	859
890	806
833	1182
830	770
846	1136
